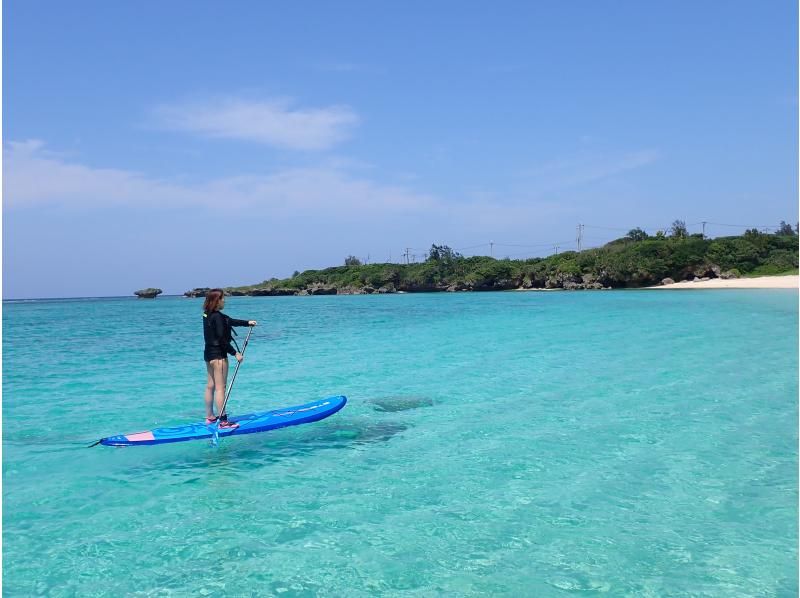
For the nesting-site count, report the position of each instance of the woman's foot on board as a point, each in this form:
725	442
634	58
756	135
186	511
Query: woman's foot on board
211	420
225	424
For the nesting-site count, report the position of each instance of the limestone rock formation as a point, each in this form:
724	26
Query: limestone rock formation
149	293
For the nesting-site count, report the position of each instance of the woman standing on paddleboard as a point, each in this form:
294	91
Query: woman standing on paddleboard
217	332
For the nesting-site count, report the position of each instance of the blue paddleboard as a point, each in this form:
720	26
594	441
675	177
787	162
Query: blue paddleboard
248	424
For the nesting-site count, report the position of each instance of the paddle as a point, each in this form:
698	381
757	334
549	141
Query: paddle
236	371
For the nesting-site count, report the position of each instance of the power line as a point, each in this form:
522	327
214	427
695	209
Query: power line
470	247
741	225
535	245
579	239
605	227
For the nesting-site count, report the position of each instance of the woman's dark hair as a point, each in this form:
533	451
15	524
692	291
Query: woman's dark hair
213	299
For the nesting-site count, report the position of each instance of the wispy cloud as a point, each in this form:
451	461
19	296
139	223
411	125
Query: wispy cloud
272	122
34	176
587	168
335	192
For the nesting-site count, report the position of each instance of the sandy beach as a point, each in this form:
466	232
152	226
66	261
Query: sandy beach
761	282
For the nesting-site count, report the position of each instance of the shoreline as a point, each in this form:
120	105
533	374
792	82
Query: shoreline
790	281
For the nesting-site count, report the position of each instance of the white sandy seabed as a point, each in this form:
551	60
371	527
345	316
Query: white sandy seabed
760	282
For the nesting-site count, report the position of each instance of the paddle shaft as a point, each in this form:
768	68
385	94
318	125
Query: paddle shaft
236	371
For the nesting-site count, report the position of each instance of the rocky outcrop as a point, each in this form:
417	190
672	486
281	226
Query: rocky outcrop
501	284
559	281
532	281
271	292
667	281
700	271
421	287
351	290
318	288
569	282
197	292
149	293
580	286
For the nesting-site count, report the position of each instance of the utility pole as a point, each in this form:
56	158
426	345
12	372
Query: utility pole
491	248
406	254
580	236
556	248
704	228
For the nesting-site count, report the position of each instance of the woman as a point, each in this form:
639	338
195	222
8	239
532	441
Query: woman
217	329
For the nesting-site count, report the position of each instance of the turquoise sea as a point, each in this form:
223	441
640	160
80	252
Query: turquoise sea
632	443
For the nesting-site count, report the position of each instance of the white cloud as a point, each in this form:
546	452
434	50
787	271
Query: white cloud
34	176
587	168
331	199
274	122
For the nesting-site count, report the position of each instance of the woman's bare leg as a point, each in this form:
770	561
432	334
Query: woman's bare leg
220	382
209	394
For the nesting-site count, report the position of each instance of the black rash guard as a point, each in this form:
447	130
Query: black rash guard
217	334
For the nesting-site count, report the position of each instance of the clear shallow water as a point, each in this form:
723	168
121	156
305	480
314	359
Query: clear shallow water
537	444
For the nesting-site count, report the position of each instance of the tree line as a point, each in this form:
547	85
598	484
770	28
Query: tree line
634	260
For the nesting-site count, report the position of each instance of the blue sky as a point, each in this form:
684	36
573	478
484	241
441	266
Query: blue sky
182	144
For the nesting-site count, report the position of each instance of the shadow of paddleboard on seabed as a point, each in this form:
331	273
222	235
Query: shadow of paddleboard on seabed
395	404
241	453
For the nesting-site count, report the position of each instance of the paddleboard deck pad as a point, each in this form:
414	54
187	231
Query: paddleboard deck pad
248	424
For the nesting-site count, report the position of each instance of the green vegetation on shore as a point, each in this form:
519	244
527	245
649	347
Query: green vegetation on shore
635	260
